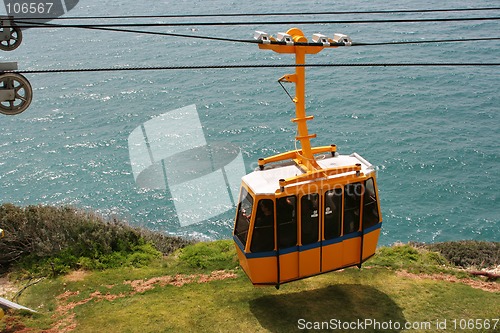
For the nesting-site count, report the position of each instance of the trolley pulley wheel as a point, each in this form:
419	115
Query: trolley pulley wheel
23	93
16	37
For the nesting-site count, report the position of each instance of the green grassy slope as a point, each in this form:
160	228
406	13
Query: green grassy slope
200	288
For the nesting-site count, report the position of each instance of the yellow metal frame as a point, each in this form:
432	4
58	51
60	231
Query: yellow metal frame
303	158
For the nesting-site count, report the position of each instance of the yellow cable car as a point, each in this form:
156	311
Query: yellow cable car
308	211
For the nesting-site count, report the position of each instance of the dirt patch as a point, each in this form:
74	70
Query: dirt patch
67	294
76	276
7	288
217	275
179	280
141	286
483	285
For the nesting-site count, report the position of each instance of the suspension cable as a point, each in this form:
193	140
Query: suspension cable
145	32
402	11
428	41
157	68
27	24
252	41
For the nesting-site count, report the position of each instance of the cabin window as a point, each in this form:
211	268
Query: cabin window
309	218
370	209
333	213
243	218
263	231
352	205
286	216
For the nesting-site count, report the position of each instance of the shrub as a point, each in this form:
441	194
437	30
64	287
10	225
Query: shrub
142	255
54	239
408	257
163	243
209	255
479	254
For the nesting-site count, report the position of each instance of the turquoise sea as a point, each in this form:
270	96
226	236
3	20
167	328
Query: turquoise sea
432	132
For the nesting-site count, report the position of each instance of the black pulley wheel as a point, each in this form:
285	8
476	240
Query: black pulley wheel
23	93
16	37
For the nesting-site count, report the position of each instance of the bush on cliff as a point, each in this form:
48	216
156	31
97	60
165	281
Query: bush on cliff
43	239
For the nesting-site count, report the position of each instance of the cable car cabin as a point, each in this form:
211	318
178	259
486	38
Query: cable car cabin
307	211
291	229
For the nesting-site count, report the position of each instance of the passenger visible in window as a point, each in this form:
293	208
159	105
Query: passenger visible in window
310	218
352	194
264	214
263	232
351	221
310	205
333	205
286	209
243	220
287	221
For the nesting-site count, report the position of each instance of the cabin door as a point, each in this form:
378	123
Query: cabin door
332	247
288	255
310	240
299	236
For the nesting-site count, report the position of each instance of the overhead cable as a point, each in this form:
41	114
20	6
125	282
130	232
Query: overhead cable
253	41
170	34
157	68
429	41
402	11
27	24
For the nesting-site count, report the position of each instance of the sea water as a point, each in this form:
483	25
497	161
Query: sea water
432	132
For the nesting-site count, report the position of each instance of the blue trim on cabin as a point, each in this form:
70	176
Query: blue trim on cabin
309	246
373	228
239	243
305	247
288	250
332	241
353	235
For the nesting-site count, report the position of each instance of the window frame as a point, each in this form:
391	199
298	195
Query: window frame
316	224
375	217
338	202
242	218
263	234
291	223
350	211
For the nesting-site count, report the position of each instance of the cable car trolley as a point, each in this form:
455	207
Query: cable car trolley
307	211
16	92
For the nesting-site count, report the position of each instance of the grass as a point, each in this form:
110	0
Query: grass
377	292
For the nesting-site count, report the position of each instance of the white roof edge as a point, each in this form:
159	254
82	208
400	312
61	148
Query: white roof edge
362	160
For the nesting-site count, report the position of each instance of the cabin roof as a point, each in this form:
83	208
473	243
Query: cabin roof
267	181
